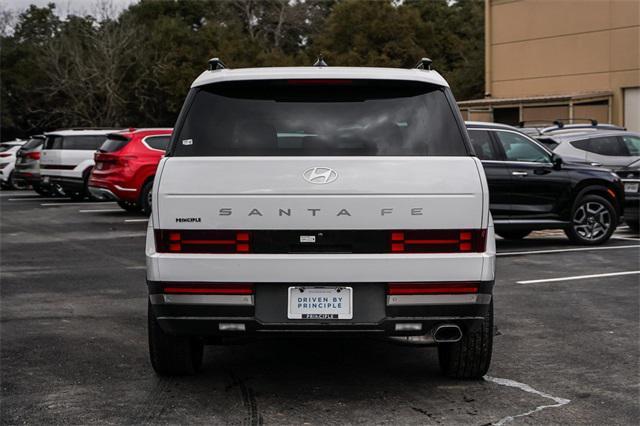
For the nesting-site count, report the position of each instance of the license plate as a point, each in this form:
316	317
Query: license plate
45	179
631	187
321	303
99	166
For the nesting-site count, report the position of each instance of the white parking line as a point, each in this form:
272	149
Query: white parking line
38	199
521	253
559	402
83	203
578	277
101	210
136	220
625	238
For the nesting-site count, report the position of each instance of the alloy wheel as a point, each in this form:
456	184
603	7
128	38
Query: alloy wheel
592	220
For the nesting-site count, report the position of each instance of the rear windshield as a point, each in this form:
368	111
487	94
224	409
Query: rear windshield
86	143
7	147
114	143
320	117
32	143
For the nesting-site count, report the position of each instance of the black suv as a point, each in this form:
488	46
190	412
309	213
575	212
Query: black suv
532	188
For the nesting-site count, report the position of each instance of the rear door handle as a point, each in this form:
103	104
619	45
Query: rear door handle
523	174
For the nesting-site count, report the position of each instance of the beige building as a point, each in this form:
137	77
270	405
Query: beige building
550	59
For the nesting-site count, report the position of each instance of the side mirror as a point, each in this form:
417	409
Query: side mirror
556	160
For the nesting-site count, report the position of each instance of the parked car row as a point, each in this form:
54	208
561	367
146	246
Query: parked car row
112	164
598	144
538	178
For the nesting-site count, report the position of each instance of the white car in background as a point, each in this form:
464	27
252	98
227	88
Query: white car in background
67	159
8	152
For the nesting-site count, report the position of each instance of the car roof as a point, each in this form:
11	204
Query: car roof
574	136
495	126
356	73
14	143
84	132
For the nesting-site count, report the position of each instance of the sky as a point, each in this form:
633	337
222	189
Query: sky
64	7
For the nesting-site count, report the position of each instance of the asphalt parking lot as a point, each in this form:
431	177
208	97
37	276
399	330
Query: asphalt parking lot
74	348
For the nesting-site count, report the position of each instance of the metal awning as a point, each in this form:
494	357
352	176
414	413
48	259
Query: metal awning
571	97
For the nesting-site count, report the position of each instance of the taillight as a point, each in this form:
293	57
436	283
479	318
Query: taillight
202	241
34	155
438	241
396	289
208	288
5	155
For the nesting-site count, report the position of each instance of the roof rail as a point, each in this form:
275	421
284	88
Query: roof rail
320	62
573	120
216	64
88	128
525	122
424	64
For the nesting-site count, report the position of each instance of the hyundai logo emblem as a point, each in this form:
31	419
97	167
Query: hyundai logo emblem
320	175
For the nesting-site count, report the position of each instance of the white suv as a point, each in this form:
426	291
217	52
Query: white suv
67	159
320	200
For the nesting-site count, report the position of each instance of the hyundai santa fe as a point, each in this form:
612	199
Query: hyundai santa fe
320	201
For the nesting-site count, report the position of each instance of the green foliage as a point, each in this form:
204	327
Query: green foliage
135	69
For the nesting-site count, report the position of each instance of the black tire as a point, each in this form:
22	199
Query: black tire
514	234
172	355
76	195
145	198
13	184
129	206
634	225
589	228
40	190
470	357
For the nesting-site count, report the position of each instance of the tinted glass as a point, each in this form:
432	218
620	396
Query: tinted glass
633	144
114	143
320	117
607	146
518	148
481	141
158	142
6	147
87	143
32	143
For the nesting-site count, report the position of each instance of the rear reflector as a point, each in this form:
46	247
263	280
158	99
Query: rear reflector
432	288
202	241
213	288
439	241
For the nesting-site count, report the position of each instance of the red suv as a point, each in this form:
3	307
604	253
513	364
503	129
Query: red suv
126	165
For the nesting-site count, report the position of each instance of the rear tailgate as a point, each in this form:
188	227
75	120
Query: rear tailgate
368	193
378	193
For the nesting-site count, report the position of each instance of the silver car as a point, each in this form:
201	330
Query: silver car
613	149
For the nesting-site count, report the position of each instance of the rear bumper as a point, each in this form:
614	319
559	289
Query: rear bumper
102	193
265	312
632	206
68	184
106	189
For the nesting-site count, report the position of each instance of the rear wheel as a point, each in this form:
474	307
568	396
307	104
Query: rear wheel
40	190
145	198
593	220
470	357
514	235
172	355
129	206
14	183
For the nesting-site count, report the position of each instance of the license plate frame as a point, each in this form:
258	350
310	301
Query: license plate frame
326	306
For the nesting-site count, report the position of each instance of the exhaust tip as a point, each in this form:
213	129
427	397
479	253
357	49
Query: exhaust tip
447	333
